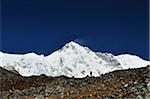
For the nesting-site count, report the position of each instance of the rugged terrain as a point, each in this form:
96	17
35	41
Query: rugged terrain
131	83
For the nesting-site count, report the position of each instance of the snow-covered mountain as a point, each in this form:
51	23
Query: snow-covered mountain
71	60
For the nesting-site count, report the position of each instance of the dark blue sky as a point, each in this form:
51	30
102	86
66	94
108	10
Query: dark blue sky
42	26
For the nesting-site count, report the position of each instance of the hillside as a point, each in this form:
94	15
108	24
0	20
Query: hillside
131	83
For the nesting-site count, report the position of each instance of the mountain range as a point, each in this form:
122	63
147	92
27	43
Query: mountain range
72	60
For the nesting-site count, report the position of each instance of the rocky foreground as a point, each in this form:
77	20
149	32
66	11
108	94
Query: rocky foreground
132	83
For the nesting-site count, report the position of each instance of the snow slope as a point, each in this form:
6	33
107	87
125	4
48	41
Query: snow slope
71	60
131	61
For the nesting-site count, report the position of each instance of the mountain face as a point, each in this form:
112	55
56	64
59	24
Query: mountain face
72	60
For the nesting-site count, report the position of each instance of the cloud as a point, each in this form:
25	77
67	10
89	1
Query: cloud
81	41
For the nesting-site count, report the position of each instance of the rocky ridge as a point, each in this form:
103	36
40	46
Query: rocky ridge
131	83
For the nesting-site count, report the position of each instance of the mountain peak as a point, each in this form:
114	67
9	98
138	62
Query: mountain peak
72	60
72	45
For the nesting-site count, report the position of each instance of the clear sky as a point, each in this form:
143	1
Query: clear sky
42	26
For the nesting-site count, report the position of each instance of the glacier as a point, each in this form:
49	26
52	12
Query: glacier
72	60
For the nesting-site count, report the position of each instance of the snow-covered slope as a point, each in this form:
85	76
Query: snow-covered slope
131	61
71	60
